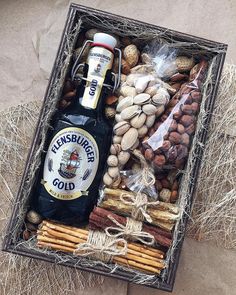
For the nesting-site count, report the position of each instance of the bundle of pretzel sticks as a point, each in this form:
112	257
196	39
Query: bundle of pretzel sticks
67	239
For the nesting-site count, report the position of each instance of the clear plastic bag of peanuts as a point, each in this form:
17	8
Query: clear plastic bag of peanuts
162	57
140	178
168	142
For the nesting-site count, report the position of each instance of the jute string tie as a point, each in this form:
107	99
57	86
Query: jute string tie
102	247
139	203
132	229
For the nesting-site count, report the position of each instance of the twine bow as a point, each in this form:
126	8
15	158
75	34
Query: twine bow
133	228
139	203
148	178
102	246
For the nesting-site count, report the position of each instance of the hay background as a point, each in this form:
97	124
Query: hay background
24	75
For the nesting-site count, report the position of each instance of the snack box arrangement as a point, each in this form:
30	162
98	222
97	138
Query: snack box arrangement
110	176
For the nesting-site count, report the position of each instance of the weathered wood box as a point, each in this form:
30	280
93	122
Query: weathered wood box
80	16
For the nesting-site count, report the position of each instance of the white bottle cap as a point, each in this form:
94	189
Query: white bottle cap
105	39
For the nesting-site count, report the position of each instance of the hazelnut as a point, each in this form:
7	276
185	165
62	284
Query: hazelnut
185	139
175	137
172	153
180	128
165	183
175	186
26	235
149	154
173	125
166	145
196	96
112	99
195	107
158	185
186	120
189	99
182	152
186	109
174	196
69	95
177	114
125	67
165	195
190	129
159	160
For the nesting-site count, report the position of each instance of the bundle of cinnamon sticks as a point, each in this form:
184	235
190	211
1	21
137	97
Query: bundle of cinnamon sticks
101	219
67	238
163	215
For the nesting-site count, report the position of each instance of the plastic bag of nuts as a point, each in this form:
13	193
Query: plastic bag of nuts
168	142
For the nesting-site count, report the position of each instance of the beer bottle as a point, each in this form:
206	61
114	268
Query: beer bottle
74	163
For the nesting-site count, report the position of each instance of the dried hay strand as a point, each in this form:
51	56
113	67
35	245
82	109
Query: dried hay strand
21	275
214	209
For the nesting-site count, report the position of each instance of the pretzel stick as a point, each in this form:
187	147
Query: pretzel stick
118	260
51	234
68	234
137	265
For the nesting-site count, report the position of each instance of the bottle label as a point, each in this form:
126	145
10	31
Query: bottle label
71	164
100	60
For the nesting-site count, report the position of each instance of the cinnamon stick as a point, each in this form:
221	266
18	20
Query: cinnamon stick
163	219
99	219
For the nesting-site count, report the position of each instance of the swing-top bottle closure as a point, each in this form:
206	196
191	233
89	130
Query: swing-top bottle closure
100	60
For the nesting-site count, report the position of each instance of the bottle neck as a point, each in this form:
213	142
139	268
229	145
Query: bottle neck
97	72
93	112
